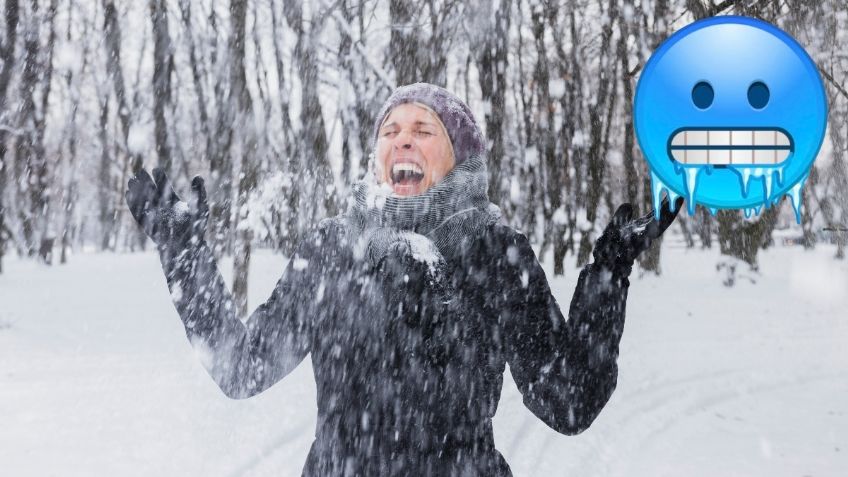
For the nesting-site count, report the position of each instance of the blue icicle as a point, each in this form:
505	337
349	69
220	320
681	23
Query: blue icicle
657	187
767	185
691	187
746	178
780	175
672	198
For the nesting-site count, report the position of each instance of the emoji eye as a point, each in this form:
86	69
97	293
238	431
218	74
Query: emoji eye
758	95
702	95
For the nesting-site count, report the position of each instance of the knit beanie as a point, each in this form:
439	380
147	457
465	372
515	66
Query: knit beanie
461	127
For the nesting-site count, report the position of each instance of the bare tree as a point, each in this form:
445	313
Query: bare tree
110	212
527	172
70	195
7	56
598	130
198	77
415	54
241	106
31	155
163	65
490	44
366	86
314	194
552	83
220	142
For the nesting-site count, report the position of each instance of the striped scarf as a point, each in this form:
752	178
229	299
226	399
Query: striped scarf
431	225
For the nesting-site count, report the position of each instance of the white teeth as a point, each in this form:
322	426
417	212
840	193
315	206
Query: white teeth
685	147
742	156
719	156
763	156
696	138
719	138
406	167
697	156
742	138
730	138
764	138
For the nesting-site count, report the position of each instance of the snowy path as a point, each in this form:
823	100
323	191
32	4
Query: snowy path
97	378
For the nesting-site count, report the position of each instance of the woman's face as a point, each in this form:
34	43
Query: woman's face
413	151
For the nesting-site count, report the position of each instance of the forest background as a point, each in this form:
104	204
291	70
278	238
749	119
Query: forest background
273	103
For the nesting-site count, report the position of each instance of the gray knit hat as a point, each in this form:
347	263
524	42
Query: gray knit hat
464	134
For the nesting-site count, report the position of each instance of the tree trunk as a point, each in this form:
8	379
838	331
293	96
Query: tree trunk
314	195
596	160
104	176
35	84
220	163
7	66
26	157
132	160
806	211
240	102
492	60
416	57
71	191
546	137
405	45
743	239
163	65
629	157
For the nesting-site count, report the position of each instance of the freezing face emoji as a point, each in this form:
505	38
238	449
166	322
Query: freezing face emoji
730	112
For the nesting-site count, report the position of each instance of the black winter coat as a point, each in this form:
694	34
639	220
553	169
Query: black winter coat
409	367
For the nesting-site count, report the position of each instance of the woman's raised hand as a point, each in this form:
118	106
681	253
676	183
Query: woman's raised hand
625	238
165	218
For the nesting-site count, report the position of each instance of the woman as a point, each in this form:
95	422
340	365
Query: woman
410	303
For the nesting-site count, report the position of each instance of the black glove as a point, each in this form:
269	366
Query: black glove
625	238
166	219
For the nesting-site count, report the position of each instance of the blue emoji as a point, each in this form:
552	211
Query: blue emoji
730	112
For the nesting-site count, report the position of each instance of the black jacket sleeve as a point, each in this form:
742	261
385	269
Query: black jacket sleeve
565	370
246	358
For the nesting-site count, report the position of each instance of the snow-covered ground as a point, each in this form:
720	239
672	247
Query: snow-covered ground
97	378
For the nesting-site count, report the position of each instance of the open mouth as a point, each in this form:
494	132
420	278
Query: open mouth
406	174
734	146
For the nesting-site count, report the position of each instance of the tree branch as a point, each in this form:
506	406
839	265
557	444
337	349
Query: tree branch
711	12
725	5
832	81
348	30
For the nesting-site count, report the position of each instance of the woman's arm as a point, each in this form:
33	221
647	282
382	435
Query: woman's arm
242	358
565	370
245	358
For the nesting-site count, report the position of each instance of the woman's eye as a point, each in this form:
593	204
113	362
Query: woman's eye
388	133
424	133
